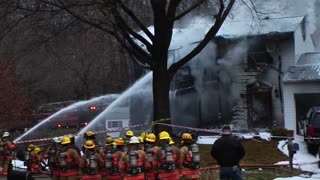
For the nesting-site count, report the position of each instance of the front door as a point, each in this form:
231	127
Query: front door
259	105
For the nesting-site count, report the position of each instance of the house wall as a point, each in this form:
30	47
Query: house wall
289	89
287	53
284	55
282	52
302	41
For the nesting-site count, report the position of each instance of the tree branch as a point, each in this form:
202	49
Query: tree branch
124	26
208	37
127	32
137	21
189	10
10	28
60	31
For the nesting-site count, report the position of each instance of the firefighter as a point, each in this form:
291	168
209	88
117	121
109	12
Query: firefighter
89	135
168	158
91	162
6	154
134	162
50	154
112	162
73	144
190	157
67	159
151	149
106	152
129	134
43	163
33	160
37	160
27	156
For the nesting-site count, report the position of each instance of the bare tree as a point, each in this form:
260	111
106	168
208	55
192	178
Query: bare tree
118	19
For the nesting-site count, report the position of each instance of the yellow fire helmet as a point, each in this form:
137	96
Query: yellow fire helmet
109	140
164	135
129	133
37	149
89	144
119	141
66	140
186	136
151	137
31	147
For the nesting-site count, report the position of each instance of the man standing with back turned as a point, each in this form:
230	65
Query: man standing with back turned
228	151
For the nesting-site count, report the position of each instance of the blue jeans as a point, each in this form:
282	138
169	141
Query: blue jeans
230	173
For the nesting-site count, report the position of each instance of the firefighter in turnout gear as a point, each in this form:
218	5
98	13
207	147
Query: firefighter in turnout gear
106	154
134	162
91	162
73	143
190	157
112	162
89	135
37	160
27	156
50	154
67	159
129	134
168	158
33	159
151	149
6	154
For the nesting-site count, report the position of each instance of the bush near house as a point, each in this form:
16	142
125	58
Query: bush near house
280	132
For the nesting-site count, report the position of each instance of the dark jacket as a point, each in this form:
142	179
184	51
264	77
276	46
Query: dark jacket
227	150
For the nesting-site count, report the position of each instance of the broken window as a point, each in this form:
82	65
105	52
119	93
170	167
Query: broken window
183	78
258	56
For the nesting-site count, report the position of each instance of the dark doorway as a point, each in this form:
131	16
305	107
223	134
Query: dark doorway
259	105
304	101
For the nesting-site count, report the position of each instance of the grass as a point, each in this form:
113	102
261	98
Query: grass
257	152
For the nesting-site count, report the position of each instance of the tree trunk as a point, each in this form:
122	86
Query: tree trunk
161	99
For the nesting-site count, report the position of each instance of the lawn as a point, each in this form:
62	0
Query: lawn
258	151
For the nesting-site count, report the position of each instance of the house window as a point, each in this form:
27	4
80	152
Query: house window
258	56
114	124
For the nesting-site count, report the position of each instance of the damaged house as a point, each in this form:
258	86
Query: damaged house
266	90
268	96
249	76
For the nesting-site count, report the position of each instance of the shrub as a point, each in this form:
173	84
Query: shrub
280	132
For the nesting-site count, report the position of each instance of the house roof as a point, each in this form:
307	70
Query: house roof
306	69
235	29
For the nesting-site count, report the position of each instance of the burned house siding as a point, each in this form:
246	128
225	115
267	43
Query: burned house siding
290	89
283	56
